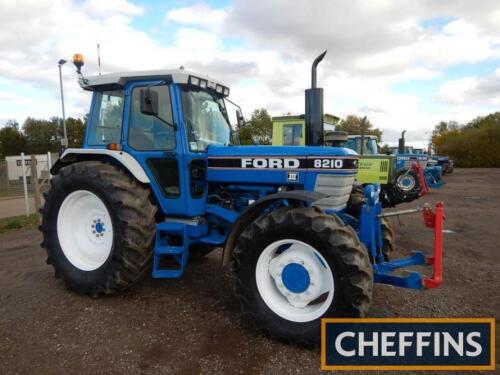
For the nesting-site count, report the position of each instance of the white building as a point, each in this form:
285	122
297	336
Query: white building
14	165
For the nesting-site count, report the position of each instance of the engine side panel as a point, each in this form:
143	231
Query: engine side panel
278	165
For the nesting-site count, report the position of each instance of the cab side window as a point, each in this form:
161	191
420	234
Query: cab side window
148	132
106	121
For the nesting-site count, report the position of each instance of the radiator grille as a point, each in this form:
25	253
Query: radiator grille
384	165
338	188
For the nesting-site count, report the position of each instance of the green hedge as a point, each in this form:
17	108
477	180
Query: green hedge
476	144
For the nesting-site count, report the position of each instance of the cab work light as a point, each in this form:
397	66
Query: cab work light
194	80
204	84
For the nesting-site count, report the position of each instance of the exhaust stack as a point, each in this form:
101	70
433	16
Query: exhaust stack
314	108
401	144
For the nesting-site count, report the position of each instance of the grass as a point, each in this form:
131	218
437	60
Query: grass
18	222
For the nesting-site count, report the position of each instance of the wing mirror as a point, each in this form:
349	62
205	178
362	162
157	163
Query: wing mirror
240	119
149	101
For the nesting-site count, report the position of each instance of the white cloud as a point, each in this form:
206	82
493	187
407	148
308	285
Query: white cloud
198	15
455	91
105	8
473	90
372	45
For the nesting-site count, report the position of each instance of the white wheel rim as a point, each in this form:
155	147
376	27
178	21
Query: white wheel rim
85	230
406	182
302	302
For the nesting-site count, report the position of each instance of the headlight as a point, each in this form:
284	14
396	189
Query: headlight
226	91
203	83
219	89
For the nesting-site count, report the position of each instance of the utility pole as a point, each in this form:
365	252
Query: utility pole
64	141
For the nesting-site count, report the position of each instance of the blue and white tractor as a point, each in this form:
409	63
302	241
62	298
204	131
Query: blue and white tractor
161	176
407	156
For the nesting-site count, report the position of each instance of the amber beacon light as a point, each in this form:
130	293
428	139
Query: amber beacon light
78	61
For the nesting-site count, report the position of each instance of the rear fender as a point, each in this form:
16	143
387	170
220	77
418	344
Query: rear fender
120	158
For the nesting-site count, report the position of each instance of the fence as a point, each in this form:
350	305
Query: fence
20	194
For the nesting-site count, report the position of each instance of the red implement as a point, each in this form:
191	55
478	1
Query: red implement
417	168
435	220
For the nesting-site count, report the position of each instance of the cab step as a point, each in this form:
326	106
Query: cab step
171	250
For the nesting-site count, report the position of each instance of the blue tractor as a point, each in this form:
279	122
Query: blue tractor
445	163
406	156
161	176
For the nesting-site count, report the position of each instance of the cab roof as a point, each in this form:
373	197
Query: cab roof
370	136
119	80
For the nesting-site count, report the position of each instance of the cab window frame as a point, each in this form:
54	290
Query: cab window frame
130	124
218	99
95	118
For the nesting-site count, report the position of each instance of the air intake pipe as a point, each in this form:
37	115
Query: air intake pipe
314	108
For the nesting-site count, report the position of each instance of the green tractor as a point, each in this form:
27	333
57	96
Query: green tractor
397	187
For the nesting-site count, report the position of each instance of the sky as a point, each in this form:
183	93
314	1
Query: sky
405	64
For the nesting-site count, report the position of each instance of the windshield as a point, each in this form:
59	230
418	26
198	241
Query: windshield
370	145
206	119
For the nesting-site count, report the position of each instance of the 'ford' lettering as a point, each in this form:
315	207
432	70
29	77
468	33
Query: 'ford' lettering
275	163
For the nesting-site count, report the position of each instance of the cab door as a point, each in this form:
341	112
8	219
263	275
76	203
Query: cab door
156	143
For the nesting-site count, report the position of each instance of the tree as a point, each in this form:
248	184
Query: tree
352	125
12	141
75	128
76	131
443	127
476	144
258	130
384	149
41	135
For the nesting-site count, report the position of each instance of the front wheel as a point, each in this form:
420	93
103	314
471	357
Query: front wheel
295	266
388	239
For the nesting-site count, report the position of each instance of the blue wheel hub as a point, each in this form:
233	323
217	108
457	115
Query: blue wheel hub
99	227
407	181
295	278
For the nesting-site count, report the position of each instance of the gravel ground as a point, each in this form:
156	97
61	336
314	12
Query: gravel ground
192	325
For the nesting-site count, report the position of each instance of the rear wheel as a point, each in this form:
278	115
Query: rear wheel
294	266
98	228
407	181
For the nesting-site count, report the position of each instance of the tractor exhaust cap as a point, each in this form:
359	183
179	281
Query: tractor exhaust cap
314	67
314	108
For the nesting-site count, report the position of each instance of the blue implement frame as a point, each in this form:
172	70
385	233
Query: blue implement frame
370	233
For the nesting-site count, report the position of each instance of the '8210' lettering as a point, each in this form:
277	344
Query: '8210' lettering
329	163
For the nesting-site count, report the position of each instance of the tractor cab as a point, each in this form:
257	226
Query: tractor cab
165	120
363	145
